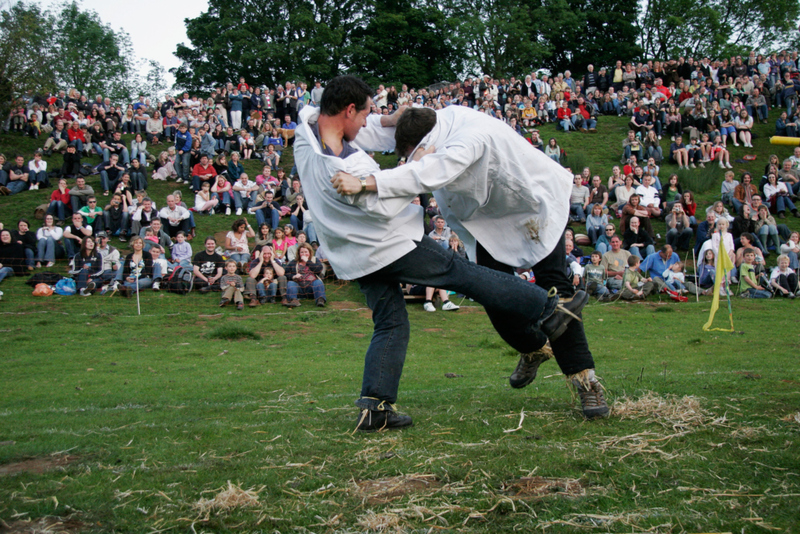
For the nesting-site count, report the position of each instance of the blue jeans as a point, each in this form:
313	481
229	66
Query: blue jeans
144	283
58	209
783	203
106	183
6	272
82	278
78	144
3	177
239	257
576	210
648	250
38	177
595	232
72	247
268	292
141	155
17	186
182	168
49	249
514	306
243	202
315	290
117	227
754	293
311	233
271	213
295	222
680	240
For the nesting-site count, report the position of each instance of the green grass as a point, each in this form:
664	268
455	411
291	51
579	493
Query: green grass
160	410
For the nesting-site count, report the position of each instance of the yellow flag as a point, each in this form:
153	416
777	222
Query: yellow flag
724	264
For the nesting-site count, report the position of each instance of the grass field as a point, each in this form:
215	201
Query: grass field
113	422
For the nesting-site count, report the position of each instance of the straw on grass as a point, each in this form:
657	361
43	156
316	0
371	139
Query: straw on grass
228	498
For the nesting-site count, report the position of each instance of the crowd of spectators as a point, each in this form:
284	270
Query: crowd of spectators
203	142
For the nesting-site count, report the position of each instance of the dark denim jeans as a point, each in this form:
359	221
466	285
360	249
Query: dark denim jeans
514	306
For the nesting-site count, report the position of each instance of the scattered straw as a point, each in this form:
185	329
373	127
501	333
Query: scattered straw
792	418
387	489
670	410
379	522
537	487
228	498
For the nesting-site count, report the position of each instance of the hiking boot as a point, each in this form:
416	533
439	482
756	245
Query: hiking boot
294	303
253	302
378	420
223	302
205	289
528	365
263	300
565	311
240	306
320	302
593	402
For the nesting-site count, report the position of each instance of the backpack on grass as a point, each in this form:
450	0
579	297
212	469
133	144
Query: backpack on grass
180	281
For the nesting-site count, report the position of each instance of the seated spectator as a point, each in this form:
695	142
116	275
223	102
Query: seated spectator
671	194
174	217
72	163
37	171
58	140
675	278
203	172
204	202
12	256
137	269
728	188
244	193
632	146
266	278
298	211
110	174
743	193
139	149
744	123
74	234
236	246
649	196
745	223
60	203
756	106
792	250
552	150
595	277
596	224
223	191
783	279
86	267
678	153
790	176
25	237
615	262
778	197
303	279
633	208
749	282
727	128
636	241
635	285
786	126
579	200
767	230
598	194
689	207
208	267
231	286
652	147
679	230
641	122
48	243
720	154
18	176
156	236
440	232
287	130
111	260
93	215
137	175
271	158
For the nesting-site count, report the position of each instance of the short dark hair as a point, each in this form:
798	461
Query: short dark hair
343	91
633	260
412	126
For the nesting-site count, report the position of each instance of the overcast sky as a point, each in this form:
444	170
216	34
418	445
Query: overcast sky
155	26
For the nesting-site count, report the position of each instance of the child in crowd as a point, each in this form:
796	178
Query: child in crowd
634	284
749	284
182	250
232	286
784	279
595	277
675	278
707	272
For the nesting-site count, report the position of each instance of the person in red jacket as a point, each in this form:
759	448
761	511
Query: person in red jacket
77	135
60	201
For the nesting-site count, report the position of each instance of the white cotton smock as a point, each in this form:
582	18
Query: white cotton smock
362	233
490	182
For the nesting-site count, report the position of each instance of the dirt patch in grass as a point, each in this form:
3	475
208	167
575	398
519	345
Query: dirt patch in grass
37	465
472	309
44	525
538	487
431	329
344	305
384	490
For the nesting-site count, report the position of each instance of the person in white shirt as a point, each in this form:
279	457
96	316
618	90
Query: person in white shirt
174	217
37	168
244	193
649	196
379	240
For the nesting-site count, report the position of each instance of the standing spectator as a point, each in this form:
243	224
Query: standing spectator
183	147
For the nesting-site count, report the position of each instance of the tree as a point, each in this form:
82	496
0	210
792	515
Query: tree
715	28
266	42
90	56
154	85
498	35
581	32
25	58
404	43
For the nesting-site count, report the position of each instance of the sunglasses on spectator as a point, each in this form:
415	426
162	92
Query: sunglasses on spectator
609	229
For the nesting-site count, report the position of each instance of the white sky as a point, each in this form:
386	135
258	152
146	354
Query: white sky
154	26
